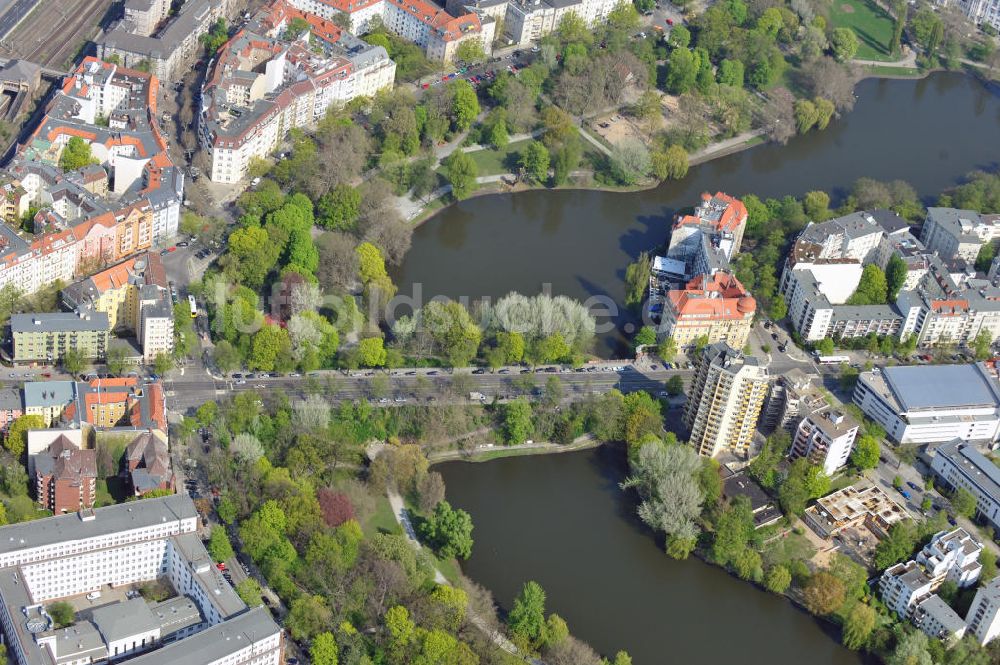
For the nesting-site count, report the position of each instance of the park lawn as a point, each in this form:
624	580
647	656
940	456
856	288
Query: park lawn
870	23
886	70
382	521
495	162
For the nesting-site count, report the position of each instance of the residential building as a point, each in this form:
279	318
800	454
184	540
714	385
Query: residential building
961	466
908	588
719	219
69	555
931	403
262	85
952	556
933	616
99	403
941	300
826	437
11	407
903	585
48	399
724	401
984	614
101	213
791	398
765	512
715	307
65	477
982	12
958	233
425	24
169	52
855	506
135	297
147	464
46	337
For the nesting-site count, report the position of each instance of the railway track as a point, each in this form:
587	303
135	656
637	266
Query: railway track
56	29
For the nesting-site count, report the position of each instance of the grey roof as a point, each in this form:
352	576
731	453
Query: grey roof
49	393
190	18
111	519
213	644
10	400
59	322
117	621
217	590
939	610
979	469
176	614
919	387
862	312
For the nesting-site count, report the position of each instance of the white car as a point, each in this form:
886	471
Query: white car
93	595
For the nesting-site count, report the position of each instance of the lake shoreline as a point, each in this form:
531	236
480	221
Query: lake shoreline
434	207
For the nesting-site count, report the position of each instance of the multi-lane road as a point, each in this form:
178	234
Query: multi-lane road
397	387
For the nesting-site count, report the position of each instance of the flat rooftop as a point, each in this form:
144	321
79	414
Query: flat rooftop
941	386
111	519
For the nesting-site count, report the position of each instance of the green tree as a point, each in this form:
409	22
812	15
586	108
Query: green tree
911	649
219	546
989	562
75	155
667	349
896	547
217	35
730	72
62	614
470	51
680	38
964	503
682	70
527	615
266	346
249	592
899	23
671	163
17	433
339	208
985	257
844	43
734	531
777	579
637	281
823	593
296	27
825	347
517	423
308	616
982	343
895	276
73	361
866	453
806	115
464	104
116	360
872	288
323	650
371	352
675	385
448	531
816	205
645	337
535	161
460	171
858	626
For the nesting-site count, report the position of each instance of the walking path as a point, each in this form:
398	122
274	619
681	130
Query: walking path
580	443
909	61
723	147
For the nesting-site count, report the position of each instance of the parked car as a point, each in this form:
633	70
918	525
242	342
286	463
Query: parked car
93	595
913	486
906	495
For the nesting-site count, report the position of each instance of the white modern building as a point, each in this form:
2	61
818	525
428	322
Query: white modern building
983	618
902	586
961	465
952	556
61	557
826	437
932	403
958	233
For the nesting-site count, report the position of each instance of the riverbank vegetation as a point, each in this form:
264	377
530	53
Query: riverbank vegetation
680	496
296	498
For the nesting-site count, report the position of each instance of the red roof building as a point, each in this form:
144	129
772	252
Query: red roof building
715	307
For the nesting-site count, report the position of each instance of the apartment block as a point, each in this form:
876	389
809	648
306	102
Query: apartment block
66	556
170	51
724	401
959	464
983	618
65	476
958	233
46	337
716	307
418	21
261	85
134	296
932	403
825	437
